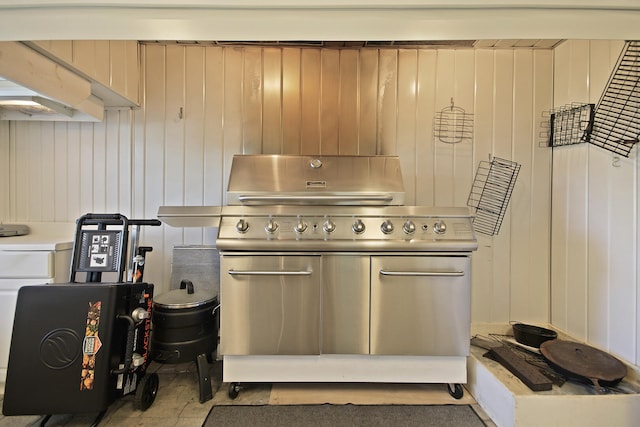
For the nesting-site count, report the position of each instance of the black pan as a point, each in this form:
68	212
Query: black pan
532	335
582	361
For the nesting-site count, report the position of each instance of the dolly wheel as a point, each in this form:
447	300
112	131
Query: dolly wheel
456	392
234	390
146	392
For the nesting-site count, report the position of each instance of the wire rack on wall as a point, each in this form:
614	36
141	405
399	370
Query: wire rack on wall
490	193
616	123
452	124
571	124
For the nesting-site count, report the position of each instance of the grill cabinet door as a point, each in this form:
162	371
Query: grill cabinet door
420	305
269	305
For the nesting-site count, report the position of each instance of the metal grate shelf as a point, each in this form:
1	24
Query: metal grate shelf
490	193
616	123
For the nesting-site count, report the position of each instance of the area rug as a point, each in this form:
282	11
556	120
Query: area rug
343	415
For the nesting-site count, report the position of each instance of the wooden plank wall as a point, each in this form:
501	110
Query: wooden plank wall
202	105
594	278
5	171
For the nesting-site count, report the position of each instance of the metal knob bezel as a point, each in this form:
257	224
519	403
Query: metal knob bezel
409	227
242	226
329	226
300	227
358	226
271	226
440	227
387	227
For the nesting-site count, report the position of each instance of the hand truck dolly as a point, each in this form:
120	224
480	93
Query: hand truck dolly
77	347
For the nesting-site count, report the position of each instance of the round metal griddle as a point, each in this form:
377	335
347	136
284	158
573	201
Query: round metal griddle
583	361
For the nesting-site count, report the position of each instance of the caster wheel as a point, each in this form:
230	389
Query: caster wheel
146	392
455	390
234	390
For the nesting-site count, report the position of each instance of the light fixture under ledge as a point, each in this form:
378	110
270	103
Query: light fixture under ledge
34	105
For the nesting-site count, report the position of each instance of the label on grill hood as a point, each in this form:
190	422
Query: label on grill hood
316	184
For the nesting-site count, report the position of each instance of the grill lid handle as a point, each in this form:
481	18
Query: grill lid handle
380	198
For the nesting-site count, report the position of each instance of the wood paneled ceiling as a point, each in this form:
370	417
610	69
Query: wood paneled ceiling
511	43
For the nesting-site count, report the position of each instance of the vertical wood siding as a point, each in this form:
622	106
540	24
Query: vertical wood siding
202	105
594	278
5	171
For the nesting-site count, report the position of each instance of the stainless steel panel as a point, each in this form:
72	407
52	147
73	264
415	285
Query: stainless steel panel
345	304
276	228
420	305
315	180
411	211
190	216
270	305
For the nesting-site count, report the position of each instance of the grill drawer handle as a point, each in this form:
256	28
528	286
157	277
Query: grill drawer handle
423	273
269	273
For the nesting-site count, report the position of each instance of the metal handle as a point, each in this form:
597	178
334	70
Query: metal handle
150	222
269	273
423	273
128	357
256	200
188	285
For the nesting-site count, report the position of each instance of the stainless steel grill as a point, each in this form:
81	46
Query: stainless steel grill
327	276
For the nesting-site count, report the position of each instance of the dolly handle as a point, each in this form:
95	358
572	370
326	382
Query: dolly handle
128	357
150	222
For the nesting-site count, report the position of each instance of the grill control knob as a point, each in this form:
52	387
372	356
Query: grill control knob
440	227
300	227
329	226
271	226
387	227
242	226
409	227
358	226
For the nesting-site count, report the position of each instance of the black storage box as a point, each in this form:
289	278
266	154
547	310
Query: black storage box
69	346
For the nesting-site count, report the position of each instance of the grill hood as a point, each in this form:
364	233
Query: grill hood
270	180
315	180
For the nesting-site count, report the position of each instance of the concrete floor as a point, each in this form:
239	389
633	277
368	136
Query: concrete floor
177	403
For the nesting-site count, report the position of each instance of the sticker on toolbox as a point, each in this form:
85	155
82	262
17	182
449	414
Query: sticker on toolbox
90	346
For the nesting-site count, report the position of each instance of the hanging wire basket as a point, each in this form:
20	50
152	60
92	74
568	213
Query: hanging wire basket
490	193
571	124
452	125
